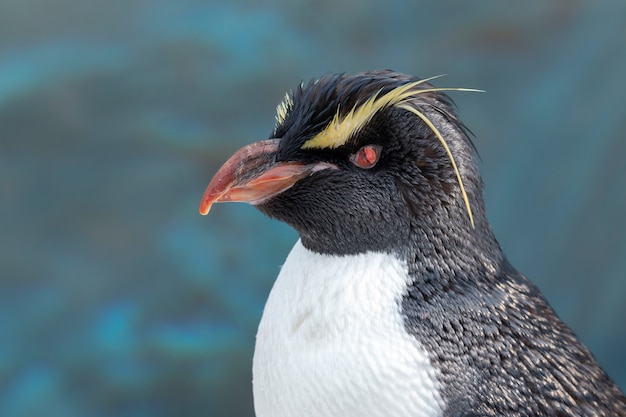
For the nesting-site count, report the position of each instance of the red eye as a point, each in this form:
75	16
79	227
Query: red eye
366	157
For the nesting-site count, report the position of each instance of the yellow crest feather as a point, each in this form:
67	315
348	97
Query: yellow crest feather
432	127
283	107
342	128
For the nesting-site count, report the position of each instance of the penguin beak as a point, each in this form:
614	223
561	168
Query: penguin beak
253	176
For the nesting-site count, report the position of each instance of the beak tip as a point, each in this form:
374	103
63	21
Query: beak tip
205	206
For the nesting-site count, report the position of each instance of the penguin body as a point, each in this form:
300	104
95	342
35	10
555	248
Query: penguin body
397	299
332	342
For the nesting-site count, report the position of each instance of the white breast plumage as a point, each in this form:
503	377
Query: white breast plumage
332	342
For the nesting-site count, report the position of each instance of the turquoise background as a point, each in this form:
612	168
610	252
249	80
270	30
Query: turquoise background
118	299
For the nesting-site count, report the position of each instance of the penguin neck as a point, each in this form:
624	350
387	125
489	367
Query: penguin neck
450	255
442	243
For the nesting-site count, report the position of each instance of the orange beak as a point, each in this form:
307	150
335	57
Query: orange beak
253	176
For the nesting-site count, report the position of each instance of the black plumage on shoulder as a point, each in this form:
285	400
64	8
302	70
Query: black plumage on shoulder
502	350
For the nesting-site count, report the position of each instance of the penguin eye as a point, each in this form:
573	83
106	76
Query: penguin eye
366	157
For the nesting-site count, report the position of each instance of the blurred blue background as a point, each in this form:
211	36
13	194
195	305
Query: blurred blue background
118	298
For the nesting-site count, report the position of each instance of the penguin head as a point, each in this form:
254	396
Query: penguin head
374	161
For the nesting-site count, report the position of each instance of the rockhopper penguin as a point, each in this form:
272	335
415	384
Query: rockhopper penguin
397	300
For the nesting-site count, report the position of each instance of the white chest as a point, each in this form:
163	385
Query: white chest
332	343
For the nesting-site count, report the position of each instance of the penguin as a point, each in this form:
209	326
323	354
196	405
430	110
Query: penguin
397	299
